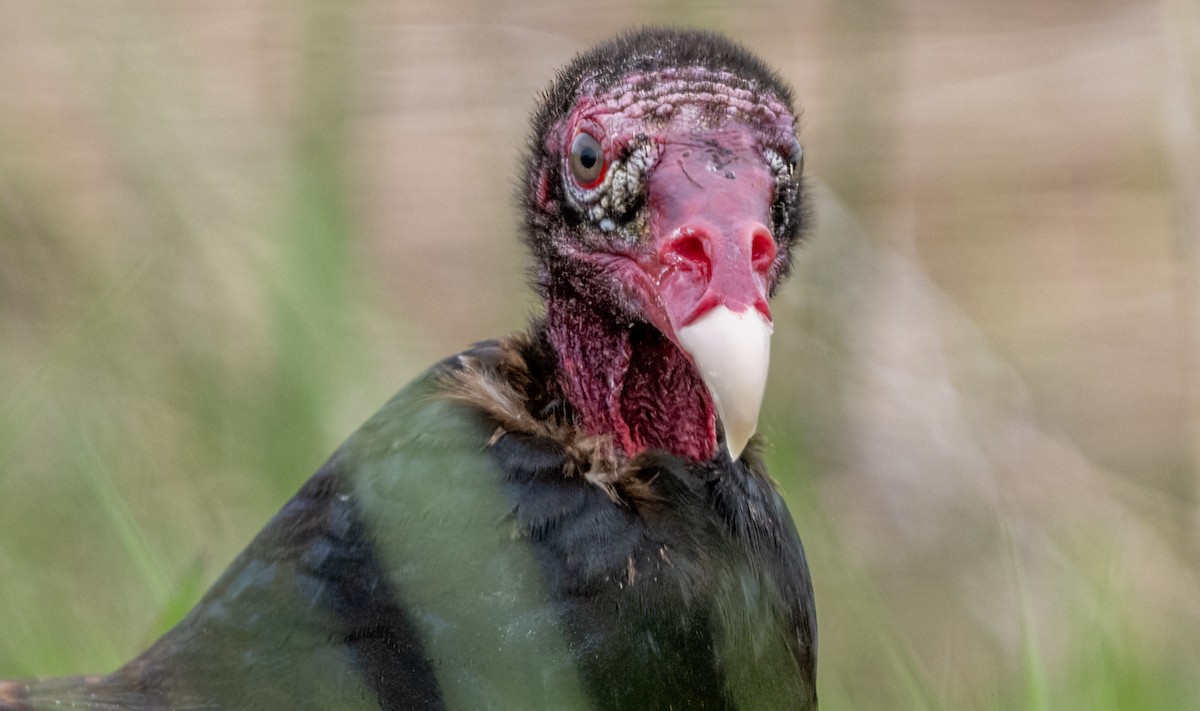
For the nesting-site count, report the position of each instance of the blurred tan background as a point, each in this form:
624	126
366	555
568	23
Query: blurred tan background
229	230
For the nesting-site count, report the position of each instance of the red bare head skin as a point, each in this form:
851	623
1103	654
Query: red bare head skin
710	201
696	204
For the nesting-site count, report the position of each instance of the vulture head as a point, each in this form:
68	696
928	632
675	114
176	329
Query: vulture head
663	196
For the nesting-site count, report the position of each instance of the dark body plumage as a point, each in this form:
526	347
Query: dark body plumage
474	545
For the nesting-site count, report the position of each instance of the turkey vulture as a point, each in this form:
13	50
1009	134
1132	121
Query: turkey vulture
574	516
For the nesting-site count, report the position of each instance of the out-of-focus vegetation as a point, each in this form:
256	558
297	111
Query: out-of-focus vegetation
229	230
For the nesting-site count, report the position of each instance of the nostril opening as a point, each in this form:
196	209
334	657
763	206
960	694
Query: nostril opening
762	251
689	248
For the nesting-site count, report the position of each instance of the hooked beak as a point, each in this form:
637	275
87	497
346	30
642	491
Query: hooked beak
712	260
732	351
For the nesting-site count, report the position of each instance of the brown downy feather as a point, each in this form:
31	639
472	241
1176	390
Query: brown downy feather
496	381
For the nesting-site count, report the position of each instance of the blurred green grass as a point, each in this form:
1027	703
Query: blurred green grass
227	234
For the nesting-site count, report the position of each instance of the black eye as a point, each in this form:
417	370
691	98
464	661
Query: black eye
587	160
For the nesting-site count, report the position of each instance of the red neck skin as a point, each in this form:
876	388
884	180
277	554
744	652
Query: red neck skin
630	382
